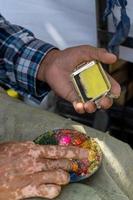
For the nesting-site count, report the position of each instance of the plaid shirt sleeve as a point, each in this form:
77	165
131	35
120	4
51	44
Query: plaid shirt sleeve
20	56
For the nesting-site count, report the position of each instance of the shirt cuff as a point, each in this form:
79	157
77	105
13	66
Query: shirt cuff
27	66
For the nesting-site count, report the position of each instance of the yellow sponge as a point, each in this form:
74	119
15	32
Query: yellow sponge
12	93
93	82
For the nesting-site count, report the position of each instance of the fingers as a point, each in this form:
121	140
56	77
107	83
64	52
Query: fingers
104	103
90	107
59	177
49	165
48	191
107	101
58	152
115	87
81	108
44	184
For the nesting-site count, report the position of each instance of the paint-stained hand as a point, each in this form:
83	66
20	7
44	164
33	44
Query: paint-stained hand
30	170
57	66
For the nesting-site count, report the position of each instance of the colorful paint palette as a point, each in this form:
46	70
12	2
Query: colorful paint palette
81	169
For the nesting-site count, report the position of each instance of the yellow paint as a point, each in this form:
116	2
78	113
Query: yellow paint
93	82
12	93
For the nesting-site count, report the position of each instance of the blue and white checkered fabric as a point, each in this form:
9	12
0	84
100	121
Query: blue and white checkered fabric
20	56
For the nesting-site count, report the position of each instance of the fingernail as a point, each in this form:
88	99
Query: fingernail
112	55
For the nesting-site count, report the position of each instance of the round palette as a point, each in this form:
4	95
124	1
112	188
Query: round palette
81	169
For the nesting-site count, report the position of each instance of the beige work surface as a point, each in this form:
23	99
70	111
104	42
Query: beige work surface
113	181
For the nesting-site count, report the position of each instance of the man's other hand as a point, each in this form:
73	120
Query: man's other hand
57	66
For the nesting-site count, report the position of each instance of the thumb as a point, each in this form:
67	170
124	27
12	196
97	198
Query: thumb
87	53
100	54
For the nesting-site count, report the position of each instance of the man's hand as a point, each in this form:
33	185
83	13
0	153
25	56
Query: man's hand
57	66
30	170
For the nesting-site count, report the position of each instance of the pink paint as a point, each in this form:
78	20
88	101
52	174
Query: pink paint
65	140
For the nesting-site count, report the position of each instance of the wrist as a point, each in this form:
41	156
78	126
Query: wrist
46	64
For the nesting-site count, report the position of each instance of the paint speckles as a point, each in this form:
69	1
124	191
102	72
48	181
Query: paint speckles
29	191
86	157
35	153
